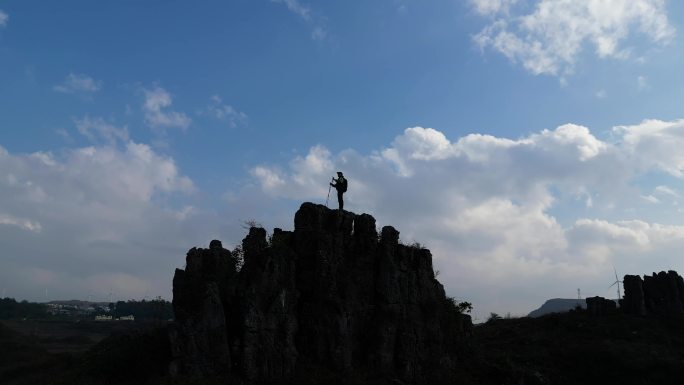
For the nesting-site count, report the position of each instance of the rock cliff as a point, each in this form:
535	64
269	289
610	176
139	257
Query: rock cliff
659	294
331	298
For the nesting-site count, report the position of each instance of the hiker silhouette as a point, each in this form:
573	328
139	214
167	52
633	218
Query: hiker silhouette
340	184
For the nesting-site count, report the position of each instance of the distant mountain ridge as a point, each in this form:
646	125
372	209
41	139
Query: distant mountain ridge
78	303
557	305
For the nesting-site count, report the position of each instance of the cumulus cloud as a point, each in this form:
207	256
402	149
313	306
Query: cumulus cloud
78	83
307	173
499	214
511	221
93	220
157	113
317	23
4	18
550	39
655	144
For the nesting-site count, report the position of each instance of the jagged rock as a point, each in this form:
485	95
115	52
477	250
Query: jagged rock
329	297
600	306
633	301
199	337
661	294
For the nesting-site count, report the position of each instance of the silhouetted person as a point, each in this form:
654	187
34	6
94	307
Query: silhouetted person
340	184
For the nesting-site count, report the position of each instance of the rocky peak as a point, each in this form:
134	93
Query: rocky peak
327	299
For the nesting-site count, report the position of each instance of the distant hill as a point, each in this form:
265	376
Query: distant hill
557	305
78	303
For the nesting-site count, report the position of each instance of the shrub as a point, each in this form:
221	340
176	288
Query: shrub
493	317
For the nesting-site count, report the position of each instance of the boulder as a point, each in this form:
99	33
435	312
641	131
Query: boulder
600	306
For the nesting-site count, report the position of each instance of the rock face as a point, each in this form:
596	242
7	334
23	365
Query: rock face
330	299
661	294
200	335
633	301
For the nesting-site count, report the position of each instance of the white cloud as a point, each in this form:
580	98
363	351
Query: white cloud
492	209
601	94
94	220
297	8
157	115
226	112
655	144
26	224
319	33
550	39
640	240
492	7
308	171
78	83
506	218
89	127
4	18
317	23
664	190
270	180
423	143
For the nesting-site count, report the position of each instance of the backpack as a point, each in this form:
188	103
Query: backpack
342	182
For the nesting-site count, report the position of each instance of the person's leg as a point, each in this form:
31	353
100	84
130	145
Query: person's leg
340	201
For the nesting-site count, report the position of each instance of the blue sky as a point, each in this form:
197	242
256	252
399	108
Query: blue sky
533	138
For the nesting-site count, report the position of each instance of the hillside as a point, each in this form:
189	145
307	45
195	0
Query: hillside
557	305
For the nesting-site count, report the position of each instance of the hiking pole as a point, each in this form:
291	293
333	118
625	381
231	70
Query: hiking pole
326	199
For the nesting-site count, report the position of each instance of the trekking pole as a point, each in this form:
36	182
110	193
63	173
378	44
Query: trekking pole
326	199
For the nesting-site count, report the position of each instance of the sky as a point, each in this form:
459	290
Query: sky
532	145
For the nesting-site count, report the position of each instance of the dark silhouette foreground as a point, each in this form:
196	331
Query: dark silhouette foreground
330	299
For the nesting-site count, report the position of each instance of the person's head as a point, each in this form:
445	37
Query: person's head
339	173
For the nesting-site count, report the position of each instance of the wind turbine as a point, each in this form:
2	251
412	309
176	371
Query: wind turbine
617	282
